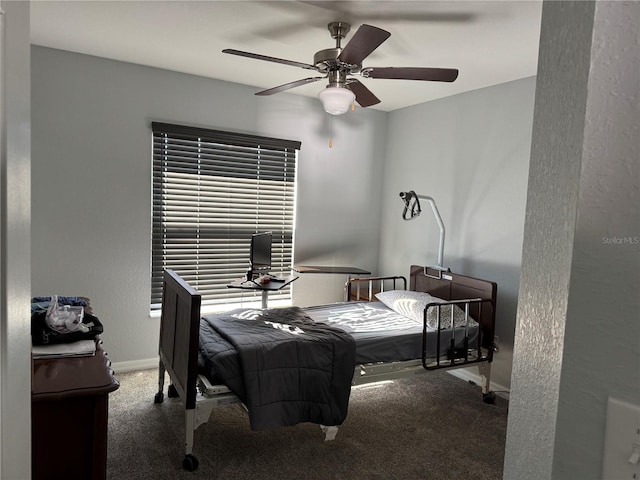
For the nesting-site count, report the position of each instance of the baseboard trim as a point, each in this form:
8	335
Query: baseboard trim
144	364
467	375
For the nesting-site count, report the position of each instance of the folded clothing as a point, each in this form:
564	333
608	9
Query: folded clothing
42	303
78	301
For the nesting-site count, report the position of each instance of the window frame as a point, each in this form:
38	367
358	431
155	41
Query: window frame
211	190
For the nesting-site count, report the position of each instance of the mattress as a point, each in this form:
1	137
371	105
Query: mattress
382	335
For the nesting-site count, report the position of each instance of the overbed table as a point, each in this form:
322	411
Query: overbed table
272	286
330	269
348	271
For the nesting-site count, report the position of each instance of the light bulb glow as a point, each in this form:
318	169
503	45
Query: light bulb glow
336	100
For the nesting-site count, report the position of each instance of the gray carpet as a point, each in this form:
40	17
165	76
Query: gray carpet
432	426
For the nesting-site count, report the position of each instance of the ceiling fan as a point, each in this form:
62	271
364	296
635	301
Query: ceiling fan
338	64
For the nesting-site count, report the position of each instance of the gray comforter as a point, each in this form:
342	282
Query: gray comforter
286	368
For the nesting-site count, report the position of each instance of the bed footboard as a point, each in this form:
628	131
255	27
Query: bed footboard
179	335
178	351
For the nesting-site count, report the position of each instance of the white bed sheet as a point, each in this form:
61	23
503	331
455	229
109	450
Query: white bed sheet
382	335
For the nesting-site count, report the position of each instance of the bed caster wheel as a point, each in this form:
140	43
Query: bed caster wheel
489	398
190	463
172	392
159	398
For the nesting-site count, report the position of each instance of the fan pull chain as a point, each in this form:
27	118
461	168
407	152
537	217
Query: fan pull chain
353	107
330	131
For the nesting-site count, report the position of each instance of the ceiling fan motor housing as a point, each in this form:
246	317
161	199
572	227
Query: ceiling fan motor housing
327	60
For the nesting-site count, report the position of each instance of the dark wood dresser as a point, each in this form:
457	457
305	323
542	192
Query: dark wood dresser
69	411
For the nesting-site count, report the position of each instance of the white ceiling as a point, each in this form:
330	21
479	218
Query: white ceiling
489	42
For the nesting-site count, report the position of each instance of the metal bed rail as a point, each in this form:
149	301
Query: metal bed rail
466	354
365	288
478	353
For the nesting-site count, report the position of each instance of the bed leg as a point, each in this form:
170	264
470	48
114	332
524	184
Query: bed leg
159	398
190	462
484	369
329	432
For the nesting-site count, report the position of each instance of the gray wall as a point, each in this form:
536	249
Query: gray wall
578	333
91	185
470	152
91	181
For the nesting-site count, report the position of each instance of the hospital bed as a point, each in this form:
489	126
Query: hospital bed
405	334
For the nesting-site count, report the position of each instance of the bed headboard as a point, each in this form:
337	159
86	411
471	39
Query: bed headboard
453	286
179	334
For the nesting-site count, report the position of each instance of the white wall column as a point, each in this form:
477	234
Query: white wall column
577	331
15	246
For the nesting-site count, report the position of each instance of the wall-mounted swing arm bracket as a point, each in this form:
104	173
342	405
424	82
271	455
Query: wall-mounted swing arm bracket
412	208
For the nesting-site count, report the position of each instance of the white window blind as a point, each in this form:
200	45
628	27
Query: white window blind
211	191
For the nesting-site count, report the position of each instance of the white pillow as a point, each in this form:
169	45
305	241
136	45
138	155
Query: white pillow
412	304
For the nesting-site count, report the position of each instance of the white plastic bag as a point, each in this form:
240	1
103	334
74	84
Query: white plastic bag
65	318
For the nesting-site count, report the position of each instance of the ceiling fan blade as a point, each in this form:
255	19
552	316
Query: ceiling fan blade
412	73
289	85
269	59
364	96
365	41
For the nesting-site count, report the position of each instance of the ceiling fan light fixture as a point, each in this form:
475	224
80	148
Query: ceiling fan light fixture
336	100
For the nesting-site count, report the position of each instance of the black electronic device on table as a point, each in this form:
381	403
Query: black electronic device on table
260	255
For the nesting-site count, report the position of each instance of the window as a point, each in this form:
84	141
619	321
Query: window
211	191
